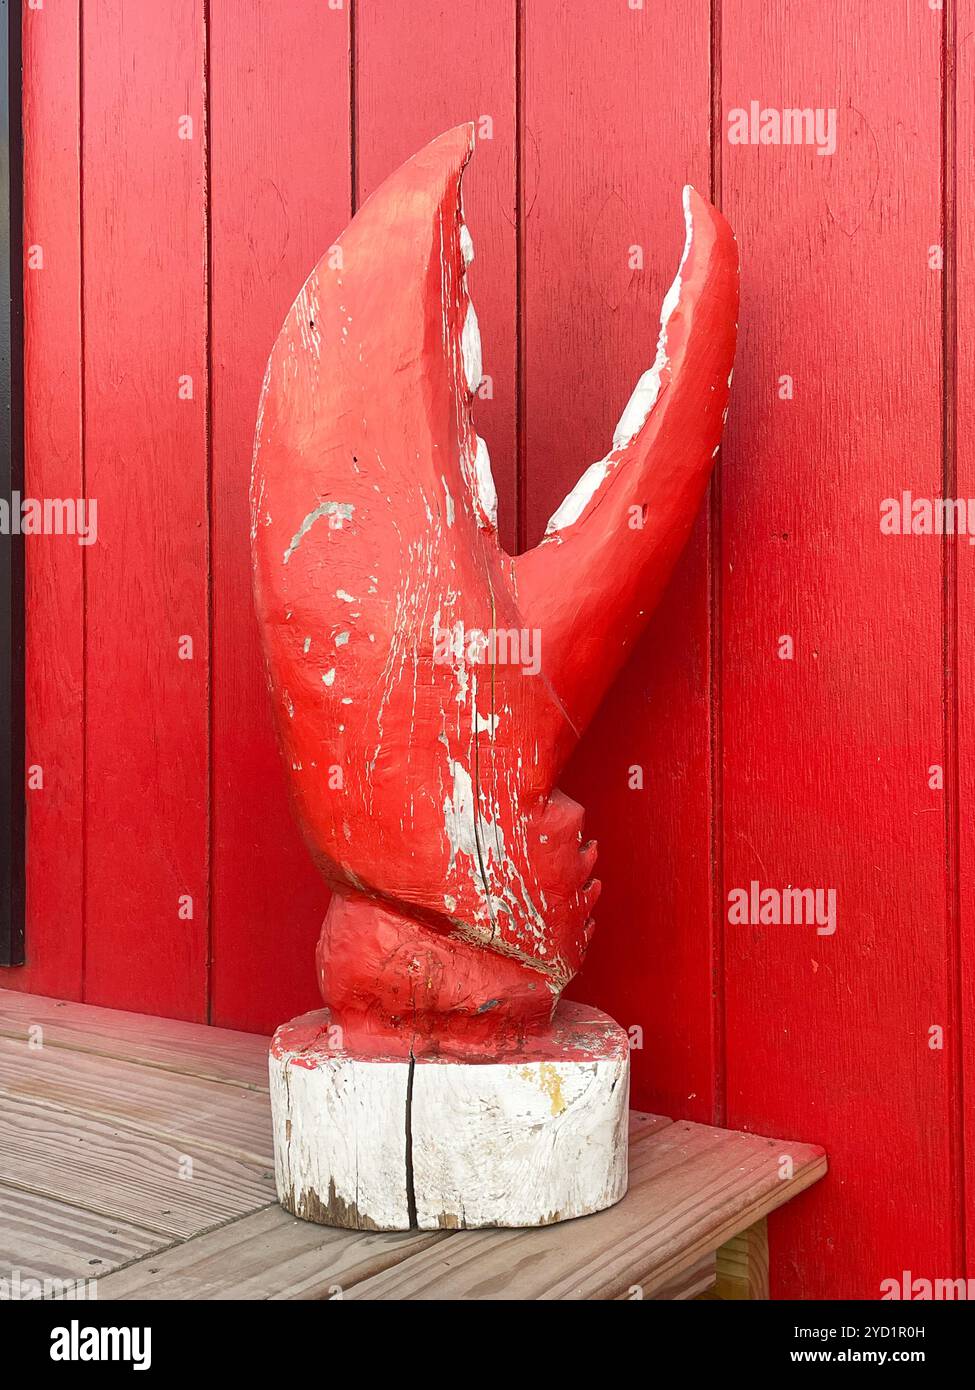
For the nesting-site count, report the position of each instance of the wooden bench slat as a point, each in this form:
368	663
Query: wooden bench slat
44	1238
268	1255
183	1109
216	1054
122	1172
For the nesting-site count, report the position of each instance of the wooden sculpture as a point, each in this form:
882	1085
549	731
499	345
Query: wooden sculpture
427	690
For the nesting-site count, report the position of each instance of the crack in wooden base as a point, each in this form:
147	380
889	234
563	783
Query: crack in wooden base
373	1143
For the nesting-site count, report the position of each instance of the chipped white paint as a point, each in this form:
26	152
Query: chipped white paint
339	1130
486	723
466	244
329	677
493	1143
340	509
647	389
461	829
518	1144
345	597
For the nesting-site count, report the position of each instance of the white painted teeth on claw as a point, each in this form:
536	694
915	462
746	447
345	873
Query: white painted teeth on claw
572	506
470	347
484	478
647	389
466	244
638	407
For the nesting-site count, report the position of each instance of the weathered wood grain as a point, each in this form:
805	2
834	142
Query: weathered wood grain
827	756
216	1054
268	1255
48	1239
114	1170
742	1266
145	349
694	1282
183	1109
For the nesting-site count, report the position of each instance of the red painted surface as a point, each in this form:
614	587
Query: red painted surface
809	772
145	454
53	467
423	767
283	168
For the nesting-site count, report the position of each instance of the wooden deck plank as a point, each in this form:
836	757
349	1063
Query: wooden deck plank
43	1238
183	1109
117	1171
269	1255
691	1189
215	1054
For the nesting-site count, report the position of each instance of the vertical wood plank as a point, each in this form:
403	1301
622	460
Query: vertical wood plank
960	421
827	754
53	468
281	194
742	1266
421	69
617	120
145	315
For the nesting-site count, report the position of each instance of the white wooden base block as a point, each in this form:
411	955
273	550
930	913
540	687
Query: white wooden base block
388	1144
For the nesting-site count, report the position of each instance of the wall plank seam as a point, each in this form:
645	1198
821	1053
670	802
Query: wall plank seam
717	1011
951	673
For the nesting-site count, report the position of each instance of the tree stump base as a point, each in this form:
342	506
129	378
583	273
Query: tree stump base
389	1144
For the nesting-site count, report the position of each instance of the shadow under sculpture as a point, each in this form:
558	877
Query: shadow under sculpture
427	690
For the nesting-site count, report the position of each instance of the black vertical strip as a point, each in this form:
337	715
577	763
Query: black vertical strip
718	1012
12	462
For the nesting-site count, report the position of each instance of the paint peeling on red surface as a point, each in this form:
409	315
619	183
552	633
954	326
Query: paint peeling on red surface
423	768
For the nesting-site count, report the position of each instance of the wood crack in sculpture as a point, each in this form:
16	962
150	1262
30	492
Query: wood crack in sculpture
427	691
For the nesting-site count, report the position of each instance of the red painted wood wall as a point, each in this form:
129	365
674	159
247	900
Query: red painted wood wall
164	872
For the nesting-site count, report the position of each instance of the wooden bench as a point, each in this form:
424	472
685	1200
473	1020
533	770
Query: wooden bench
100	1110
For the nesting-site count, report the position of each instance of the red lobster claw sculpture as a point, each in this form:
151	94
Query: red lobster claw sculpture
427	687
